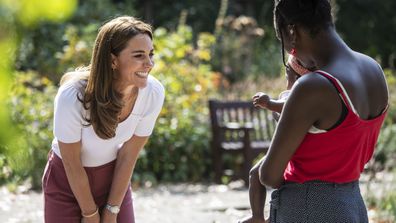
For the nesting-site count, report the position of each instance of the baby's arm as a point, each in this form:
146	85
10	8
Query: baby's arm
262	100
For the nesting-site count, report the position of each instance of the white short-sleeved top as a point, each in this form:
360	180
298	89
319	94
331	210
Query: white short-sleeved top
70	125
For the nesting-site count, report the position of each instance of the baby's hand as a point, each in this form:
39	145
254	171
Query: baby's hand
261	99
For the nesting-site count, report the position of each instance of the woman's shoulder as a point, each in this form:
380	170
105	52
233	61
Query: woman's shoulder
367	63
71	89
155	84
152	97
76	78
154	87
312	84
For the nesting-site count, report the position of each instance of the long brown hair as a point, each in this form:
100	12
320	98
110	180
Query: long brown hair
102	101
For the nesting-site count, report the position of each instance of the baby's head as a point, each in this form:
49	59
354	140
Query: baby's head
296	66
294	71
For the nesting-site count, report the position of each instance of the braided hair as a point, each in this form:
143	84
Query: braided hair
313	15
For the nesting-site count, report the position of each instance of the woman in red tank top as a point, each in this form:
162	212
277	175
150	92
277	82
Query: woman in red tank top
316	176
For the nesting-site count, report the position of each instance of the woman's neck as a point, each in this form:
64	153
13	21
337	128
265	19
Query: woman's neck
334	46
125	90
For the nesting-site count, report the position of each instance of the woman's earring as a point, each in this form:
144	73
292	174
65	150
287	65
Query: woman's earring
293	51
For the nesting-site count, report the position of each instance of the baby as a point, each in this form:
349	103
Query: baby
257	193
293	72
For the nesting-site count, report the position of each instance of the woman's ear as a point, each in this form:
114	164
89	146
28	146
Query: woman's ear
292	32
113	62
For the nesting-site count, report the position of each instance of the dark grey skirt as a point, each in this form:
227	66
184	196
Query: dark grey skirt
318	202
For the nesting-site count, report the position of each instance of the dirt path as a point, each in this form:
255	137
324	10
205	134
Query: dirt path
177	203
166	204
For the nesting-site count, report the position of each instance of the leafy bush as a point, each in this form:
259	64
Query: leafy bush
386	148
32	112
380	197
389	205
51	48
242	51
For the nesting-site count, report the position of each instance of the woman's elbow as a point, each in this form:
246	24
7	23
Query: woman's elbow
268	179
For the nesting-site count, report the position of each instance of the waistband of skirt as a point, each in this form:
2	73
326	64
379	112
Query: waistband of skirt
58	161
319	183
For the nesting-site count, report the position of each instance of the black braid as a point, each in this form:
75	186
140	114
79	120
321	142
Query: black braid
283	50
279	32
314	15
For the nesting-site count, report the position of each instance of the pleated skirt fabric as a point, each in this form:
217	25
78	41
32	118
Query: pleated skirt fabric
60	205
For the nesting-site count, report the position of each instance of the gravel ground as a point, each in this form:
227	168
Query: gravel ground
176	203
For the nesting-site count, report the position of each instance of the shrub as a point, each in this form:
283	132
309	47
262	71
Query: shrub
32	112
384	155
51	48
242	51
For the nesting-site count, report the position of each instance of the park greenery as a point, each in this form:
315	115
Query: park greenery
196	59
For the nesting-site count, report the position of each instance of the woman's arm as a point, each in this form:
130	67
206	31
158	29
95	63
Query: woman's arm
78	179
313	100
126	160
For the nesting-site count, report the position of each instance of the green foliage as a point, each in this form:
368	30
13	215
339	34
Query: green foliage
239	53
7	48
390	76
389	204
30	12
170	11
16	15
179	148
51	49
31	107
5	171
369	26
386	147
77	52
380	198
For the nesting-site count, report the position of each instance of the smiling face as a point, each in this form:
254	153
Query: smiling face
134	63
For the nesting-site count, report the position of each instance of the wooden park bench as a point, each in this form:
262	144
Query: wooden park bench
239	127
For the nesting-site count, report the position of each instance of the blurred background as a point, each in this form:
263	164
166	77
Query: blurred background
223	49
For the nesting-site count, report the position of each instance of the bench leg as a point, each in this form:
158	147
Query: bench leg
217	165
247	165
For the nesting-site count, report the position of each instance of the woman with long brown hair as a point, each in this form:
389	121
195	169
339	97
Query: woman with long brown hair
102	119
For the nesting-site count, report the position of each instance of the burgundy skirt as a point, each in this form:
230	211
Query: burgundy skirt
60	205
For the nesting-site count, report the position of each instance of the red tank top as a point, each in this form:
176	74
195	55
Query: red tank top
340	154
